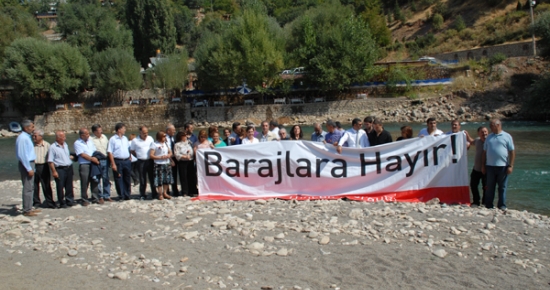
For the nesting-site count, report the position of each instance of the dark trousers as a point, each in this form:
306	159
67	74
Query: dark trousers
496	175
64	181
123	178
145	173
85	181
135	173
187	176
175	191
475	178
105	189
42	177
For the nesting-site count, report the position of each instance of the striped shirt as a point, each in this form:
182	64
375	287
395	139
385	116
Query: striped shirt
41	151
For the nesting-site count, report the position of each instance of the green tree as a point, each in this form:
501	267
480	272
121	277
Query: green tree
542	30
335	47
116	71
38	68
374	16
152	25
15	23
171	71
538	104
437	21
251	47
459	23
92	28
397	13
184	23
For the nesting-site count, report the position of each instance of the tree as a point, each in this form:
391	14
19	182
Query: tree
152	25
459	23
171	72
15	23
374	16
116	71
437	21
92	28
250	47
38	68
397	13
542	30
335	47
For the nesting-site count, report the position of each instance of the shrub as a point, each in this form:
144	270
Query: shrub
437	21
497	58
467	34
459	23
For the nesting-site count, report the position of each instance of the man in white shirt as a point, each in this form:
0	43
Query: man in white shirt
119	155
274	127
431	130
101	142
140	148
84	148
266	135
354	137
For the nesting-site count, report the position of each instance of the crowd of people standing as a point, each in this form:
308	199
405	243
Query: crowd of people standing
169	156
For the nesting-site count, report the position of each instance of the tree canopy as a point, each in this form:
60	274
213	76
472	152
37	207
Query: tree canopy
116	69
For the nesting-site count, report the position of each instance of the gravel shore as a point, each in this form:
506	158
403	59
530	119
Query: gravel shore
270	244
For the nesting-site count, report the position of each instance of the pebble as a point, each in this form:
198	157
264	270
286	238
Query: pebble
280	236
121	276
282	252
324	240
256	246
313	235
64	261
72	253
17	263
22	219
490	226
440	253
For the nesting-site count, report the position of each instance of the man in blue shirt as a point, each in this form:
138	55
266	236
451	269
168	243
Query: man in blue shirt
84	148
24	150
333	135
61	166
118	150
318	134
497	163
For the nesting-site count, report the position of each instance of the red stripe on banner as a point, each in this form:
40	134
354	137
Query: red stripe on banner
450	195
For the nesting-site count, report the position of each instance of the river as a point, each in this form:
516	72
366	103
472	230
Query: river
528	186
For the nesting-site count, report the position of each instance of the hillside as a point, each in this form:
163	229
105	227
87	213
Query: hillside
449	25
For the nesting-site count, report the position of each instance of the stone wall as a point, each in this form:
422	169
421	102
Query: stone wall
402	110
524	48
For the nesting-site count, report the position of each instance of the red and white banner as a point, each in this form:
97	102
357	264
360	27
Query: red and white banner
413	170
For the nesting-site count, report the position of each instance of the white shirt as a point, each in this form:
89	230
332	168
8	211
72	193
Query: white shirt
160	150
355	139
84	147
276	131
141	147
248	141
424	132
119	147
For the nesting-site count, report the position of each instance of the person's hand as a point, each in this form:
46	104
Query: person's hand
114	167
55	174
339	149
483	170
95	160
172	163
509	169
211	146
30	173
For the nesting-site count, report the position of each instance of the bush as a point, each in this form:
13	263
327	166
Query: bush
538	106
497	58
437	21
467	34
459	23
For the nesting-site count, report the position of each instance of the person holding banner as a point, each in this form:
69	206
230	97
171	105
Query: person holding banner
476	174
282	135
431	130
497	163
234	137
296	133
250	139
380	136
266	135
203	142
406	133
354	137
333	135
161	154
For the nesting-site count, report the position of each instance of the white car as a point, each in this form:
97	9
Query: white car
428	58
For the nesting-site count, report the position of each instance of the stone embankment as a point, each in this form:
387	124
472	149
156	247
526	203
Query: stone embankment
461	106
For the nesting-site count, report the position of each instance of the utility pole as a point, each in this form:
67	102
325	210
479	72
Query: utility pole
531	4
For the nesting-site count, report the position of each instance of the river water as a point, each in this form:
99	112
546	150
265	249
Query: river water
528	186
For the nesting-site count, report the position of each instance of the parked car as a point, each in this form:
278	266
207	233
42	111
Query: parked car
298	70
428	58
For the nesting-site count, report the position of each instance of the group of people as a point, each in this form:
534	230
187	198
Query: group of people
160	161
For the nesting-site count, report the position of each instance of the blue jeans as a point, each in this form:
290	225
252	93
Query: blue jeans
496	175
105	188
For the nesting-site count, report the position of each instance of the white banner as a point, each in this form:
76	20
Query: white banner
416	169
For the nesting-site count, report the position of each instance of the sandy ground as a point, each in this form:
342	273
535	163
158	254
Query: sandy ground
272	244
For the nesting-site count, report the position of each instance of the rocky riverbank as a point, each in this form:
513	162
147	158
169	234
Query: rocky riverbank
271	244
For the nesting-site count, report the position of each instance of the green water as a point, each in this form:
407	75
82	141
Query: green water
528	186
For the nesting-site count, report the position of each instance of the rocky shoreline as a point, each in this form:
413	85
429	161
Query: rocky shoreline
271	244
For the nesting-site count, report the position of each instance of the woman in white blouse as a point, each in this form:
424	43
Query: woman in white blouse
183	151
250	139
160	153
